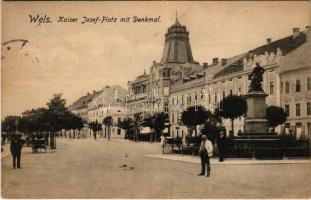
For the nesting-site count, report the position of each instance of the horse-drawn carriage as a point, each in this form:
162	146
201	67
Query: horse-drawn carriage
169	143
36	141
38	144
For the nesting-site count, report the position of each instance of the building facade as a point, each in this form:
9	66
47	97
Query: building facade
176	62
137	100
110	101
295	89
284	59
177	81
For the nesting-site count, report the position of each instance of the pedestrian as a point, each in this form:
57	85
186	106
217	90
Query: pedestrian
109	133
206	151
221	144
16	149
95	135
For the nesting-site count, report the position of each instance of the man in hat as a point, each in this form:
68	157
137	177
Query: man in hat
206	151
16	149
221	144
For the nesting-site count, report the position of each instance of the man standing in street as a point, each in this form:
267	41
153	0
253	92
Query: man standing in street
221	144
95	135
109	133
16	149
206	151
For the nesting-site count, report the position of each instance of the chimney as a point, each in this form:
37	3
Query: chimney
94	91
296	32
223	61
205	65
154	62
268	41
215	61
87	93
308	29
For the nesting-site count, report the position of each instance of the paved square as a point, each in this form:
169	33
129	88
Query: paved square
87	168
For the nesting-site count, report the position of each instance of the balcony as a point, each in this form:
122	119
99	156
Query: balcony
137	97
141	96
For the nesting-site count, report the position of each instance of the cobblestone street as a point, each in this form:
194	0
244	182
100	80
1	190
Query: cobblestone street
89	168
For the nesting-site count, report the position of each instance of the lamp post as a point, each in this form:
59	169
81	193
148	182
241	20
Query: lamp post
16	124
46	137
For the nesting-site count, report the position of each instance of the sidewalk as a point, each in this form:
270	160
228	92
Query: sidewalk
229	161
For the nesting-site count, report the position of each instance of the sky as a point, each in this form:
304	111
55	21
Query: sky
75	58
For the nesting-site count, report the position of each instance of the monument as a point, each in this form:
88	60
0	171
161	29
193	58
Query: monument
256	140
255	121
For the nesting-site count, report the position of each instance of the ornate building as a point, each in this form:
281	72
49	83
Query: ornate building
295	88
137	99
176	62
178	81
94	107
110	101
152	91
230	76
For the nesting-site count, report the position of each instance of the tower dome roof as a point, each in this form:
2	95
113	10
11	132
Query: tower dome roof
177	47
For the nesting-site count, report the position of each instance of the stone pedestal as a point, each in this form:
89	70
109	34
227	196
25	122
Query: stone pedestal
255	121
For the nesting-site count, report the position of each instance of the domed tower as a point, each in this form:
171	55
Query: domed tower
177	47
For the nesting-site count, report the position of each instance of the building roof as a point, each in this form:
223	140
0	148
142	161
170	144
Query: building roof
177	47
106	93
83	101
237	66
286	45
140	78
298	59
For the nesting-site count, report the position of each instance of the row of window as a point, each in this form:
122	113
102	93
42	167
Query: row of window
190	98
139	89
175	118
298	109
97	113
83	113
271	89
297	86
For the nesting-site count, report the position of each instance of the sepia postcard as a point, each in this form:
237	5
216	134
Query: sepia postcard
155	99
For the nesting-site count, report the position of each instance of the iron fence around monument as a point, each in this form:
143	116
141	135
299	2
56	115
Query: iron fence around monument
282	146
264	147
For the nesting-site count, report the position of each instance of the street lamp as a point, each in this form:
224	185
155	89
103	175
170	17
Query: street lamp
16	124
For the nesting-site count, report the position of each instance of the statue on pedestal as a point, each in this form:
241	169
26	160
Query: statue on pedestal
256	121
256	78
